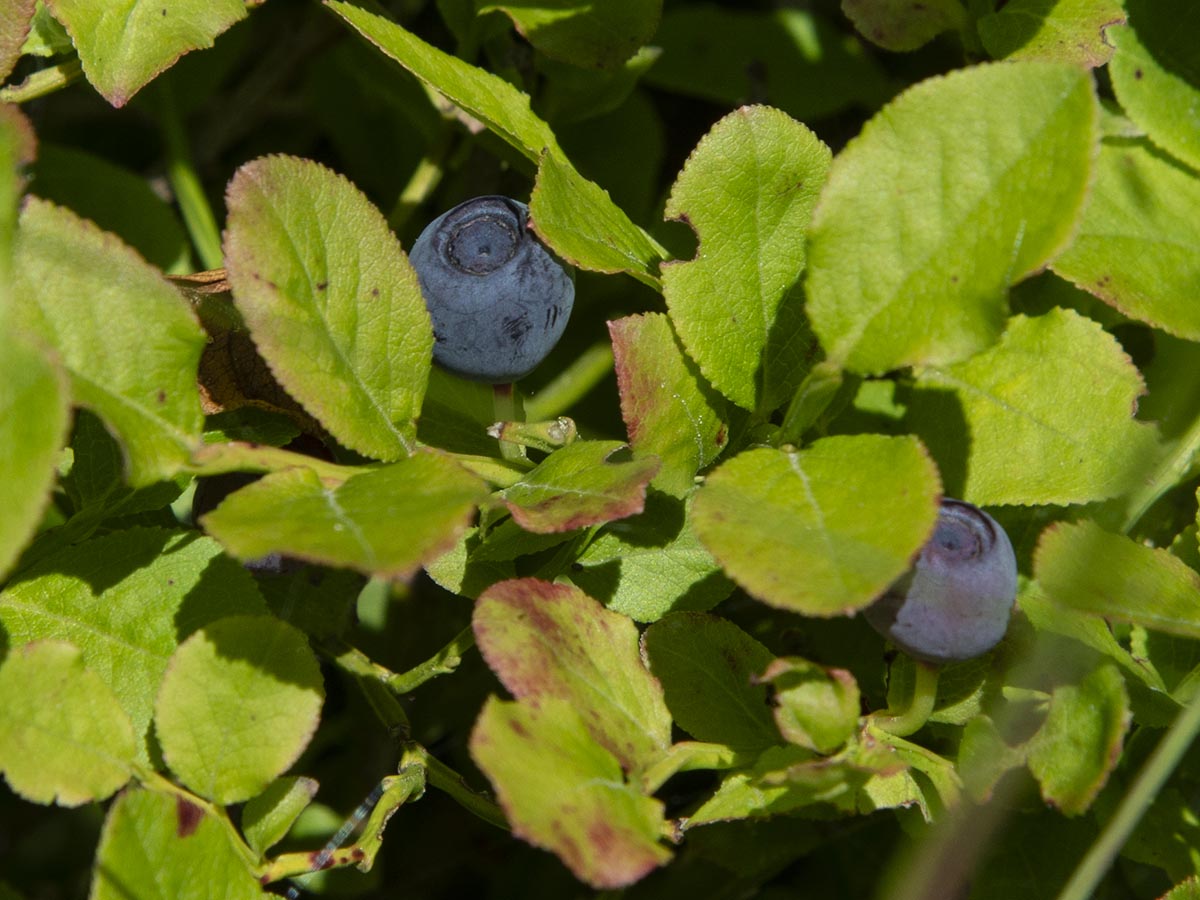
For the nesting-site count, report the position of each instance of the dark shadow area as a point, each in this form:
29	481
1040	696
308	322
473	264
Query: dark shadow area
936	416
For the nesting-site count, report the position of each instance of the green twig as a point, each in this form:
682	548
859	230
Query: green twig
443	662
423	182
1137	800
181	173
450	782
43	82
588	370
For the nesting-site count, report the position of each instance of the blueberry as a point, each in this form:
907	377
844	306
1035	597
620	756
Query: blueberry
955	601
499	301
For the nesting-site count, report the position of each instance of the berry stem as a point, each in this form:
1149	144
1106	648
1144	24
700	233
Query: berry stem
591	367
508	407
185	183
903	722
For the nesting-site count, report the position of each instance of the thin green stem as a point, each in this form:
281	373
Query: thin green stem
422	183
499	472
445	661
508	407
1137	800
450	782
181	173
588	370
43	82
910	720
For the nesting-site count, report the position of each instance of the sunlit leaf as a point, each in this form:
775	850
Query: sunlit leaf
578	806
969	182
901	24
548	640
64	738
125	44
331	301
1073	31
824	530
748	190
239	702
158	845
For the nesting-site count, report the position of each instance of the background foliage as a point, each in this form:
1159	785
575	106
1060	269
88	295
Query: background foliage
260	559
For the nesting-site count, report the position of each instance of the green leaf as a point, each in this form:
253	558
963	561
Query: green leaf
1187	890
548	640
1138	246
1072	31
1156	74
18	146
815	707
461	570
584	483
579	221
669	409
126	600
456	414
578	806
15	16
46	37
596	35
748	190
792	59
330	300
1079	744
939	770
34	408
708	668
1059	388
159	845
126	336
785	779
487	97
970	182
901	24
386	521
651	564
267	817
126	44
1168	836
238	704
117	200
821	531
1086	568
64	737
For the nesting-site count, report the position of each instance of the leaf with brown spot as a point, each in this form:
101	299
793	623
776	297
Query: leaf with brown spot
577	804
582	484
548	640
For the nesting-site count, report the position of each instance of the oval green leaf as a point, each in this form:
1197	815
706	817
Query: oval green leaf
64	737
708	668
386	521
670	411
1138	245
126	336
34	418
578	806
821	531
552	640
331	301
126	600
1057	386
238	704
1070	31
957	189
126	44
1086	568
1156	73
748	190
901	24
581	484
159	845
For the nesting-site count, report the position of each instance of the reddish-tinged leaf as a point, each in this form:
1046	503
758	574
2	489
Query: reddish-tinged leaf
548	640
14	26
581	484
563	791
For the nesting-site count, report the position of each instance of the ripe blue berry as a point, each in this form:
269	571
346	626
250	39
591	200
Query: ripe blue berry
499	301
955	601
